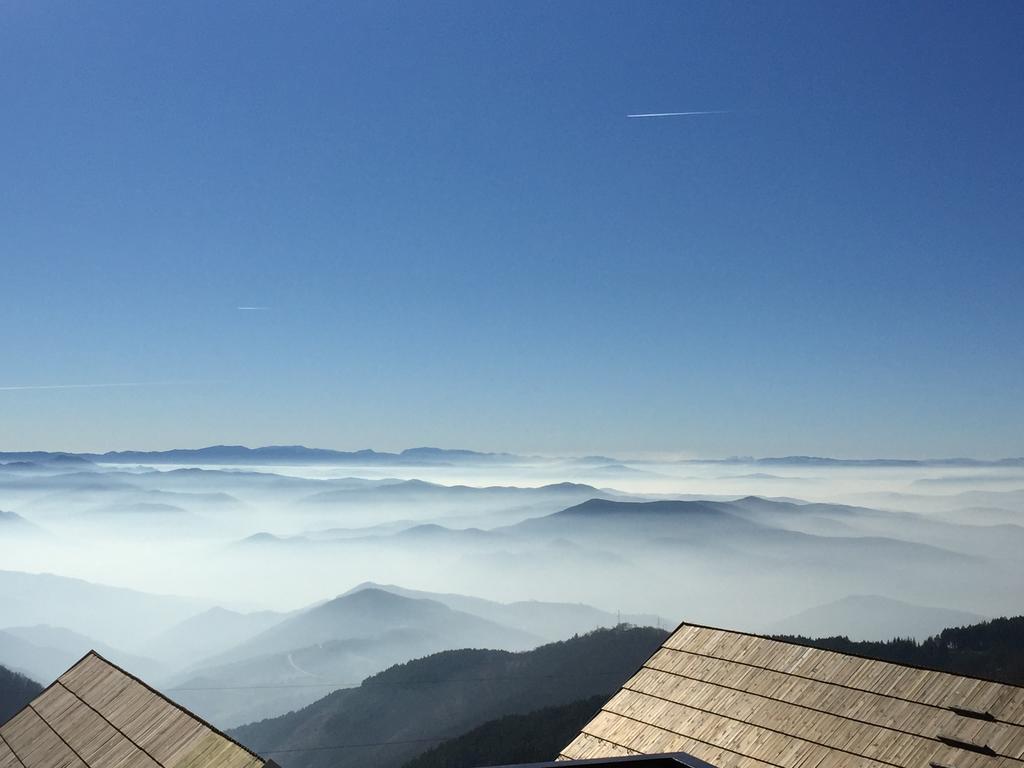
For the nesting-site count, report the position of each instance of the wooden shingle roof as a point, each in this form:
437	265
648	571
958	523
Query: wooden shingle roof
743	701
96	715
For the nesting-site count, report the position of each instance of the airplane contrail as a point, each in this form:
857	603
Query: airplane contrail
684	114
78	386
253	309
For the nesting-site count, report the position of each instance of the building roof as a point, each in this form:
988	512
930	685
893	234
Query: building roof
744	701
96	715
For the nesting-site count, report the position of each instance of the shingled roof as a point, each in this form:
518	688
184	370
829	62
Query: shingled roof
744	701
96	715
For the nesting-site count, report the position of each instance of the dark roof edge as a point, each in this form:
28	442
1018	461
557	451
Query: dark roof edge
169	700
841	653
682	759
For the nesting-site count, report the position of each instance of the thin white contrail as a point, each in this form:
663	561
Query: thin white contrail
253	309
78	386
684	114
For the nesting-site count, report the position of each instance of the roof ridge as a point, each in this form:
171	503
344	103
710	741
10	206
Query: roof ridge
865	657
164	697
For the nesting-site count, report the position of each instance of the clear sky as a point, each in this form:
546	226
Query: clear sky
451	234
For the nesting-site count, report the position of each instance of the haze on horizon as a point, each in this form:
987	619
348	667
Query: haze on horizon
237	580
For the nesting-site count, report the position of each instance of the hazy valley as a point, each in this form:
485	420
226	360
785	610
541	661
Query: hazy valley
246	588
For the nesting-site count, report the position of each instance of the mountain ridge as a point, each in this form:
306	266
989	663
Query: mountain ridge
872	618
447	694
426	455
331	645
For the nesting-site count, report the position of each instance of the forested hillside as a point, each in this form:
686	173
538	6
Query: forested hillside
992	649
401	712
15	692
532	738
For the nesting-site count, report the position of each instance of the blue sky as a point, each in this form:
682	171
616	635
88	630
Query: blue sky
459	238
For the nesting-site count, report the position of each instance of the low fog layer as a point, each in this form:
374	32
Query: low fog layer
300	573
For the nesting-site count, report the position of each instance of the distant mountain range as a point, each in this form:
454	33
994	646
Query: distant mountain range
44	652
419	491
210	633
750	524
271	454
604	543
331	645
367	612
109	614
27	461
825	461
300	656
453	501
872	617
550	621
426	456
622	525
